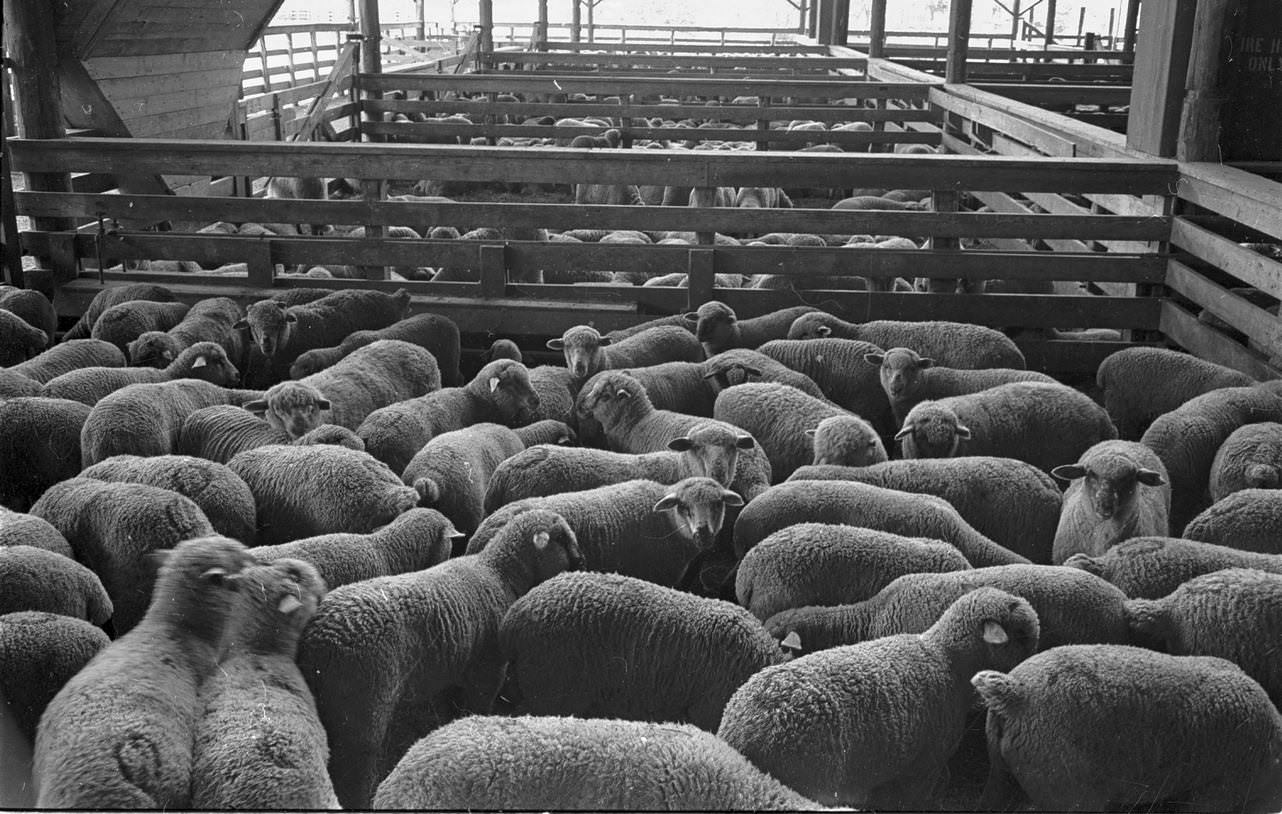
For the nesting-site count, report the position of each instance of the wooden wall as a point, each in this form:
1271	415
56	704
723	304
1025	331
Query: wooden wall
185	95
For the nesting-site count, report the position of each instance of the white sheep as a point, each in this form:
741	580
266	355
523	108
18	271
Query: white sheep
119	733
389	659
718	328
610	646
17	528
1139	384
587	352
70	355
434	332
259	743
1072	606
837	366
29	468
777	416
38	580
825	564
206	361
114	295
19	340
557	763
500	393
302	491
1042	423
639	528
874	724
952	344
1250	458
845	440
1099	727
1250	520
123	323
908	378
1152	567
210	320
1119	489
114	528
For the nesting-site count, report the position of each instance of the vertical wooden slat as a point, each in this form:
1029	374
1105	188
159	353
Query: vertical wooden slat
262	57
1205	93
958	41
1050	23
486	12
576	24
1129	30
840	22
261	268
701	276
877	29
493	263
1161	67
9	218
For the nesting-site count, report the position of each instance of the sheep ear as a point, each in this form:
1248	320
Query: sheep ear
291	317
823	330
925	361
748	370
680	444
1149	478
810	433
792	641
256	407
874	358
994	633
455	534
731	499
242	325
288	604
963	431
623	393
541	540
666	503
201	361
603	341
904	433
556	344
322	404
494	383
168	356
1069	472
691	316
745	442
215	576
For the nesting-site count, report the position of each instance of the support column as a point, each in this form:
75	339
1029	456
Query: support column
541	35
371	52
591	4
1161	68
823	31
1129	29
576	24
840	34
877	30
486	16
1050	22
1014	21
958	41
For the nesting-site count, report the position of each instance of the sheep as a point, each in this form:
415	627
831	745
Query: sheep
209	320
777	416
1152	567
38	580
123	323
845	440
628	658
416	539
681	387
258	742
678	320
557	763
119	733
452	471
206	361
15	385
39	652
433	332
556	388
376	375
223	497
908	378
68	356
837	366
220	432
874	724
709	449
719	329
1249	520
39	446
951	344
632	424
1187	438
1250	458
762	198
861	504
739	365
587	352
19	341
1107	503
640	528
303	491
1140	384
1096	728
114	527
822	564
1073	607
281	333
390	658
1012	502
292	409
114	296
23	529
33	307
1040	423
500	393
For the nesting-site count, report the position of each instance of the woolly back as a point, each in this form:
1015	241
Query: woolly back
275	602
986	628
534	546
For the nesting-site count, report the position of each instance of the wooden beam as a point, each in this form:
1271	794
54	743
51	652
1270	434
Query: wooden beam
541	32
485	12
877	30
1050	22
1161	66
1129	30
576	20
1205	91
840	22
826	9
958	41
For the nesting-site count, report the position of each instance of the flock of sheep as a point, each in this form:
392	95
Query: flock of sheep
774	563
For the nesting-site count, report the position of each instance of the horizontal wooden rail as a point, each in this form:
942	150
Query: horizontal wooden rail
610	47
771	62
557	165
1058	94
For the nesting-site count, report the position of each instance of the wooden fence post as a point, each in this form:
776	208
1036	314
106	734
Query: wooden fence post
958	41
877	30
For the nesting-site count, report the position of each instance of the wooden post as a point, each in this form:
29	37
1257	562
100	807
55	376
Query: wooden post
1050	22
591	4
1129	29
812	19
840	23
420	14
824	33
1014	21
576	17
877	29
1161	67
33	54
371	54
541	34
486	17
958	41
9	217
1205	92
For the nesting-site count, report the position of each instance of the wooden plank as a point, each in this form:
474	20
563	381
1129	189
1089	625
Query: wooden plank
1259	325
333	85
1044	95
740	113
1046	141
1161	65
1241	196
780	61
135	87
1208	343
555	165
196	60
1250	267
718	219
